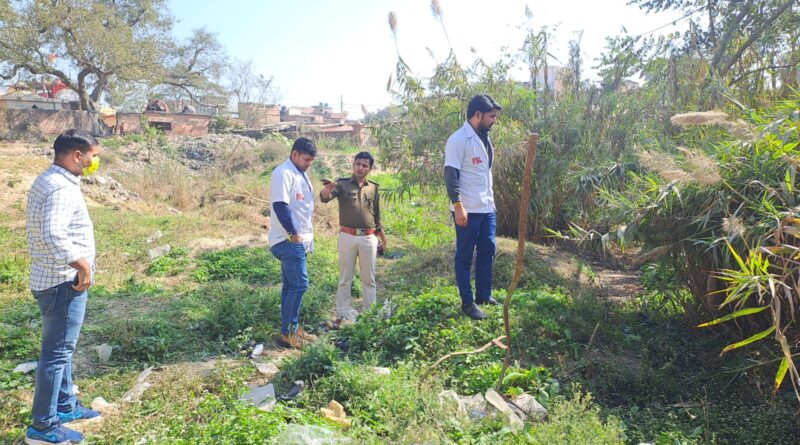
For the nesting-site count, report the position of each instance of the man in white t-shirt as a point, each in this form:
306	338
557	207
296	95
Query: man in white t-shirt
291	236
468	161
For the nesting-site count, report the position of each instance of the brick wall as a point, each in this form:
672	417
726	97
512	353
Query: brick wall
179	123
40	123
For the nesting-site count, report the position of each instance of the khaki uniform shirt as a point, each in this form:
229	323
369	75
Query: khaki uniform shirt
359	205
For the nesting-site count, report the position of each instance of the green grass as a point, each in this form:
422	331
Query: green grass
651	375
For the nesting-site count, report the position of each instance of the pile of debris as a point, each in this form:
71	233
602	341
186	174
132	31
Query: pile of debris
514	411
106	190
200	152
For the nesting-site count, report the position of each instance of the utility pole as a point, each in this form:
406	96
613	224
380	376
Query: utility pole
341	103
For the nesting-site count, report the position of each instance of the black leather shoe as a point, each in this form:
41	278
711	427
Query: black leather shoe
491	301
473	311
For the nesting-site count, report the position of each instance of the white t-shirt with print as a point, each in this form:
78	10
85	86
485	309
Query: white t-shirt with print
293	187
465	152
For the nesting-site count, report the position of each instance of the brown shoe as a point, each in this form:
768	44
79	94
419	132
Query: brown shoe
305	336
289	341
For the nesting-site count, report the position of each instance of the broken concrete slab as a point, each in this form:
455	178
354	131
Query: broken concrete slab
498	402
158	252
527	407
259	394
135	393
26	367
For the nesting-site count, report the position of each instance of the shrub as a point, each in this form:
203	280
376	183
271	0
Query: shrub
250	265
576	421
171	264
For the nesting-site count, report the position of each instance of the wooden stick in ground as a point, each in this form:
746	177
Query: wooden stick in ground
522	236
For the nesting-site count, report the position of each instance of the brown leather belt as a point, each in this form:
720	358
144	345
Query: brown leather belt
357	232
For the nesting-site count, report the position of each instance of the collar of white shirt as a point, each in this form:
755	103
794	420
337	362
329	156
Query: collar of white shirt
67	174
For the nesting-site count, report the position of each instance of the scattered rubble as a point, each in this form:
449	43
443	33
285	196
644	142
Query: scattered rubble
335	413
268	370
526	406
155	236
478	406
159	251
135	393
496	400
200	152
106	190
105	408
26	367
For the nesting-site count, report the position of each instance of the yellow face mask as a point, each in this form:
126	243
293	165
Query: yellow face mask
92	167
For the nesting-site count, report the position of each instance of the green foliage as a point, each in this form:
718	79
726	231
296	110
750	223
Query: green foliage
235	307
220	124
423	221
317	361
576	421
13	270
254	266
174	263
478	377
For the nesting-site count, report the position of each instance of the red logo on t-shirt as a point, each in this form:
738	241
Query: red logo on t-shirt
299	197
476	160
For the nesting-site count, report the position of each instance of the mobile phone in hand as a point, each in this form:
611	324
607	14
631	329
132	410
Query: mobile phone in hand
325	181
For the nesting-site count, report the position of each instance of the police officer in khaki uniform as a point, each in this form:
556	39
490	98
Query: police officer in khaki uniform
360	234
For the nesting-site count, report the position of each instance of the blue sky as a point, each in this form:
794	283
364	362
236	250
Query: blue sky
320	50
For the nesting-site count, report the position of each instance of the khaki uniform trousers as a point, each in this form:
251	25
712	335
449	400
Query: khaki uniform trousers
365	248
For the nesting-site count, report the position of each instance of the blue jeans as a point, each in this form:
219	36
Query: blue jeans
62	311
477	238
294	273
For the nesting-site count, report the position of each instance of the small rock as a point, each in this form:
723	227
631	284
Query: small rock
449	398
475	406
381	371
268	405
259	394
102	180
155	236
257	350
335	413
26	367
159	251
76	390
526	406
103	352
100	404
268	370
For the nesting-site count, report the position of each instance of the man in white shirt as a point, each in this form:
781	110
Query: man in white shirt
469	157
61	244
291	236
